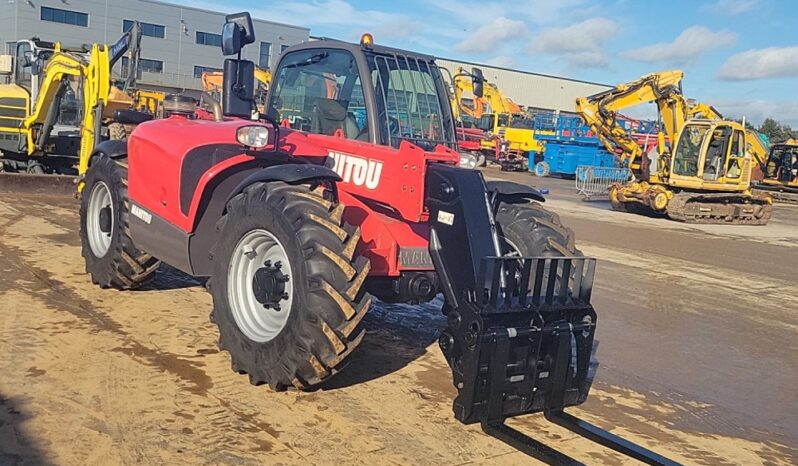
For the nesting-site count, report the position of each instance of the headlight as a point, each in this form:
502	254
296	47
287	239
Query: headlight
253	136
467	160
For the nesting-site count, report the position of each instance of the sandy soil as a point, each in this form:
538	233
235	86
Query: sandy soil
91	376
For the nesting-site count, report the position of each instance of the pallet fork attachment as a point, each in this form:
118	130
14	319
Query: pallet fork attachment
520	330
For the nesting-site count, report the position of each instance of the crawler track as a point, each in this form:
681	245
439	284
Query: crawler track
720	209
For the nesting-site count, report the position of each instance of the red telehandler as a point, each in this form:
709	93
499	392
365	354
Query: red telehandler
347	187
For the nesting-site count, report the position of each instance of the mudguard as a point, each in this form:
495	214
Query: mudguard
507	191
115	148
289	173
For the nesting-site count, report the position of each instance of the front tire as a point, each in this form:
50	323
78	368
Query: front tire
111	258
292	324
530	230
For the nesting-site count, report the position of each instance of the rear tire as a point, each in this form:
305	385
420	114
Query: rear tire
111	257
321	304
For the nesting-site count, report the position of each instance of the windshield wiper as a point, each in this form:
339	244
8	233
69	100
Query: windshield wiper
312	60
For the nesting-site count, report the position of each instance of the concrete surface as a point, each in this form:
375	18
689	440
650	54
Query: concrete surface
697	352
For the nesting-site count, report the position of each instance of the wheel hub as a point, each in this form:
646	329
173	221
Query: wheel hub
100	219
105	219
259	292
268	285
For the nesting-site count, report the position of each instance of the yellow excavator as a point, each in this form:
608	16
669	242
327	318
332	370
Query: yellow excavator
781	172
703	176
57	99
494	111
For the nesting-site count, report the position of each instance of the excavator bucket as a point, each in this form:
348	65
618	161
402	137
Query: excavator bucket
520	330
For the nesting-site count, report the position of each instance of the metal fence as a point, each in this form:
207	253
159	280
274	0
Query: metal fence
592	182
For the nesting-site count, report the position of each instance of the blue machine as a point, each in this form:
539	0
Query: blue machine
571	145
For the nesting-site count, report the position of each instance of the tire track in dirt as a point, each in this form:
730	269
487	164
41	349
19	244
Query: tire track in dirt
393	407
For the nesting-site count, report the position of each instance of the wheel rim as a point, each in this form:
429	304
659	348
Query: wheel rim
260	304
100	220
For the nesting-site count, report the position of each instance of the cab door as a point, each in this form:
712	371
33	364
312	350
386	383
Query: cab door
738	163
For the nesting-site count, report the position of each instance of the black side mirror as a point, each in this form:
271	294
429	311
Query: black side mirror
27	59
477	82
237	32
239	88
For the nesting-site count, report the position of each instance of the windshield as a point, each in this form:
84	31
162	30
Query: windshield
411	101
319	91
688	150
783	163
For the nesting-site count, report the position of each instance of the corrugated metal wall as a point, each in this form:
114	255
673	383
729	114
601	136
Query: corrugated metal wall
530	89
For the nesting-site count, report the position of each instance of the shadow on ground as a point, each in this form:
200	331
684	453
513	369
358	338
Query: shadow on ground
169	278
396	335
16	445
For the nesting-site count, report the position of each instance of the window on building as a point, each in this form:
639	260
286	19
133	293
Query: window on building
150	66
265	55
206	38
58	15
147	29
198	70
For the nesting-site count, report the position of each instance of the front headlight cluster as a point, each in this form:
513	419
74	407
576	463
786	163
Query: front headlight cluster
468	160
253	136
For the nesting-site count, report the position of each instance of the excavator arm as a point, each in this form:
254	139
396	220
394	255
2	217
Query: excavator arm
462	82
600	111
93	75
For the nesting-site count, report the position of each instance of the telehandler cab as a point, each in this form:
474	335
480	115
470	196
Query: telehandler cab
349	187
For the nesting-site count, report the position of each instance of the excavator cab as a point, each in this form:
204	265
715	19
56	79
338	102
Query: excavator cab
710	155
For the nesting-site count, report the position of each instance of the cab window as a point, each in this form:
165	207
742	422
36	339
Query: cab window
717	149
688	150
320	92
22	73
736	155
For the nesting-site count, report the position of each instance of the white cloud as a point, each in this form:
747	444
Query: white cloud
580	44
688	46
772	62
732	7
491	35
756	110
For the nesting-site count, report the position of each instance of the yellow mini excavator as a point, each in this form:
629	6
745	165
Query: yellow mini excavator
703	175
56	100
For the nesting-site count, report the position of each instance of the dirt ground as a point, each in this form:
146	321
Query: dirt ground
697	352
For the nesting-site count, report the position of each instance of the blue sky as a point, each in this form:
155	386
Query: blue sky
739	55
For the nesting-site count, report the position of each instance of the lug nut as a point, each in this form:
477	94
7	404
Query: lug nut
268	263
278	265
284	296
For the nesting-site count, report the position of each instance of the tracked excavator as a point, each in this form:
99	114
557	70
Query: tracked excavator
781	173
59	101
703	176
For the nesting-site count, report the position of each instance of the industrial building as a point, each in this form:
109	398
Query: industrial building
181	42
178	42
532	90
